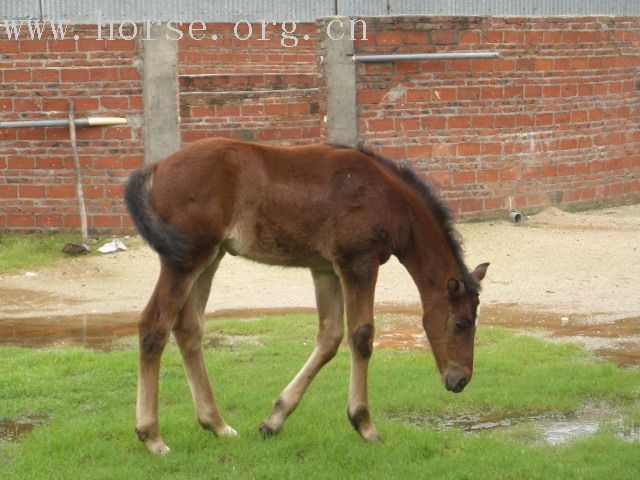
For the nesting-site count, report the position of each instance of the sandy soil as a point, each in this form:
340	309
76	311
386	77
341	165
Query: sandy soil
583	265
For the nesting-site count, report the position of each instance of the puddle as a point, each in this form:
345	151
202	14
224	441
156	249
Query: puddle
617	341
553	427
95	331
222	341
12	430
400	328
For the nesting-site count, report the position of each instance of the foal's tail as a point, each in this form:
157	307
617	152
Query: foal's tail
164	239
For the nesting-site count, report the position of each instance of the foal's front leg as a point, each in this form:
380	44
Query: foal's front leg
358	285
330	333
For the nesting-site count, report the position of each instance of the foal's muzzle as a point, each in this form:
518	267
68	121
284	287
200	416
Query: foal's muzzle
455	379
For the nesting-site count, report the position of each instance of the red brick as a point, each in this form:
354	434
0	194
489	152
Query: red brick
418	96
488	176
21	162
8	191
459	122
26	105
49	162
60	191
53	221
17	76
20	220
380	125
433	122
444	37
122	133
74	75
34	133
91	45
55	104
101	74
119	45
106	220
469	149
45	75
31	191
389	38
469	36
445	94
9	46
471	204
413	37
464	177
108	162
114	103
513	91
33	46
61	45
482	121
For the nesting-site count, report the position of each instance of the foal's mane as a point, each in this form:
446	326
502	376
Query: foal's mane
431	200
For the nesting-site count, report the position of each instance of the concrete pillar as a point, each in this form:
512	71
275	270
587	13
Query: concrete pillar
160	92
339	73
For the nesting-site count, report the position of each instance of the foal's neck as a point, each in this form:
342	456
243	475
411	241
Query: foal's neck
429	260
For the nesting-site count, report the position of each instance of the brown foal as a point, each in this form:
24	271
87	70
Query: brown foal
340	212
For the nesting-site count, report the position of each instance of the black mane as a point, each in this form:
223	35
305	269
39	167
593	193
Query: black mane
441	212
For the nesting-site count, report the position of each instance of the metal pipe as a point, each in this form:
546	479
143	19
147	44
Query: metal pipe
399	57
515	216
79	122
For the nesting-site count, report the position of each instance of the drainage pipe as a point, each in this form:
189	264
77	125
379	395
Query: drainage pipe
423	56
80	122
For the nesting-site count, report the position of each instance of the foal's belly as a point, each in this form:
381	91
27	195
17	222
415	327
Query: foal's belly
273	247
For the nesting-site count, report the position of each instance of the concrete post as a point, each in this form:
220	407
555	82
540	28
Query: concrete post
160	95
339	71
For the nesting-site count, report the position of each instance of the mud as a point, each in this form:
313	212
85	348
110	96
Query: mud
617	341
93	331
398	326
13	430
553	428
101	332
17	300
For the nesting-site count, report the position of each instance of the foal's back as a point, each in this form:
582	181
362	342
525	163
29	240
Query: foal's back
303	205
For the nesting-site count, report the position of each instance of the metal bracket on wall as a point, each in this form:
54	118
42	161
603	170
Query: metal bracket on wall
400	57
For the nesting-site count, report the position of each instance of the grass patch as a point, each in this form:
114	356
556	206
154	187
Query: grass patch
22	252
91	400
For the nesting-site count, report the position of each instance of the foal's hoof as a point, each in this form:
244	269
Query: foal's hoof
372	437
266	431
157	447
227	431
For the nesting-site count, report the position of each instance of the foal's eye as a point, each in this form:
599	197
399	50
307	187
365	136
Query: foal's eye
462	324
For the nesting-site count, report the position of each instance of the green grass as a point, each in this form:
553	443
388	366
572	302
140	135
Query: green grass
22	252
91	396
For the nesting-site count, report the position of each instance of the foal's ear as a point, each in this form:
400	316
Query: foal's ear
480	271
455	288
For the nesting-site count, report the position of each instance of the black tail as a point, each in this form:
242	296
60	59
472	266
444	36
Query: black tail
163	238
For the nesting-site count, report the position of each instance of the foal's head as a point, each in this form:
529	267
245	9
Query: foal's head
451	328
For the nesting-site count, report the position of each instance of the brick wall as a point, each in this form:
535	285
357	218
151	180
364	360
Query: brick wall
36	164
256	90
555	119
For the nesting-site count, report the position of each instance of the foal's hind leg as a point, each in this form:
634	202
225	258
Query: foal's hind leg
188	333
330	333
154	329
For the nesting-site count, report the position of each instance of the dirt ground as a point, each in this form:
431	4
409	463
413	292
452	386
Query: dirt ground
567	273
